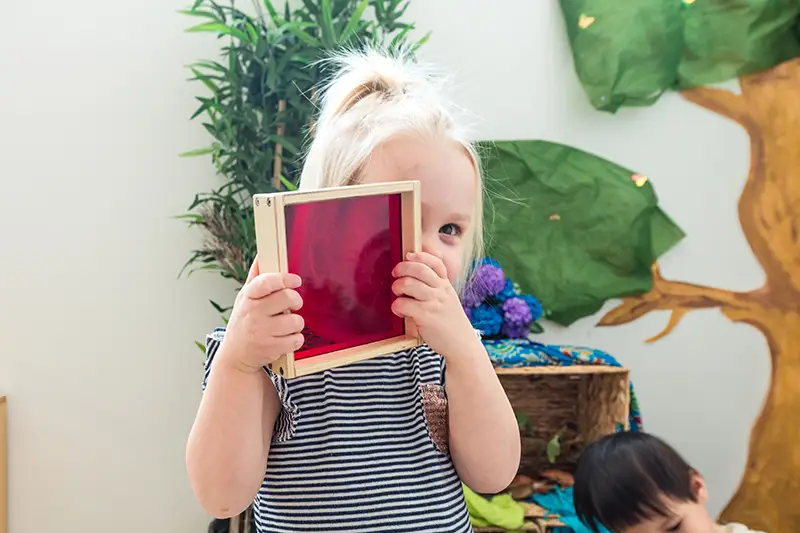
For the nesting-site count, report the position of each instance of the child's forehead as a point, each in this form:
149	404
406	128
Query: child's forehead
443	168
412	157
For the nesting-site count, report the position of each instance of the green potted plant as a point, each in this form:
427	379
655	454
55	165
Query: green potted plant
258	105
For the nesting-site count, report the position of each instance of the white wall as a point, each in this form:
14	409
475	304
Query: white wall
98	360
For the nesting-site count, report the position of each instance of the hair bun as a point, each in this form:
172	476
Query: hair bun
361	75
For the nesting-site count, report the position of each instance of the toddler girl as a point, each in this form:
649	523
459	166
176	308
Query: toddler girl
383	444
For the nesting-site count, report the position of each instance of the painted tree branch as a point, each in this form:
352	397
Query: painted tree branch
679	298
721	102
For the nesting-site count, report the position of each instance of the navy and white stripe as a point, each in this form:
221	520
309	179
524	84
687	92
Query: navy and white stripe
351	452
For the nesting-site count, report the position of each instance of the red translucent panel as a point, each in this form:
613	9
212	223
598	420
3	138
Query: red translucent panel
344	250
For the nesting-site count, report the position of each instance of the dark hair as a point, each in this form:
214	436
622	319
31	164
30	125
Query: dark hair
626	478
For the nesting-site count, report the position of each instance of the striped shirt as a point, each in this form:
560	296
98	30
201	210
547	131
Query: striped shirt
361	448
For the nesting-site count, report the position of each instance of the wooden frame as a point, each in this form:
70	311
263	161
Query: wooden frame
270	226
3	466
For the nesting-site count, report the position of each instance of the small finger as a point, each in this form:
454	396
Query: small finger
417	270
435	263
405	307
253	270
285	324
283	301
265	284
289	343
413	288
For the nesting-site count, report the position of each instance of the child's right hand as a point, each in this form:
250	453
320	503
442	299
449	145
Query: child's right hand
260	330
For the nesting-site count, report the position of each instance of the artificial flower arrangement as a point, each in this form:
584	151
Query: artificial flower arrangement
495	305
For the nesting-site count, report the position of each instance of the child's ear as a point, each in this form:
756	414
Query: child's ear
699	488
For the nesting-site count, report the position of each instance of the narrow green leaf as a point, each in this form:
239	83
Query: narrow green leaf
197	4
400	37
421	42
251	30
198	152
211	65
288	185
206	80
200	14
201	346
219	308
353	23
328	31
199	111
204	267
286	143
192	217
306	37
273	13
220	28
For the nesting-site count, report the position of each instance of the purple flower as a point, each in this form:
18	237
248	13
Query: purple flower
516	317
536	308
492	278
488	280
468	311
470	297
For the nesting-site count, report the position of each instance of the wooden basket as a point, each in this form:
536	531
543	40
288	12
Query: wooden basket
578	403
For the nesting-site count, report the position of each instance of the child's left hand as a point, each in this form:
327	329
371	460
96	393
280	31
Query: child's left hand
426	296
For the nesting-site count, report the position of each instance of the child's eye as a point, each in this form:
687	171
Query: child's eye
450	229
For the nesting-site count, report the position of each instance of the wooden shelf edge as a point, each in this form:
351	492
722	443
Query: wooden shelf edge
562	370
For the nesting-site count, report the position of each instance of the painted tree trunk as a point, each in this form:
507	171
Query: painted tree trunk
768	108
768	497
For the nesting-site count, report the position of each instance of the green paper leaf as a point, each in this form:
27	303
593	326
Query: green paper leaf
536	328
596	234
523	420
553	449
629	54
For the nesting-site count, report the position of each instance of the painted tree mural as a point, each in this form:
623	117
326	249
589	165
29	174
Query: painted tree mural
769	210
629	57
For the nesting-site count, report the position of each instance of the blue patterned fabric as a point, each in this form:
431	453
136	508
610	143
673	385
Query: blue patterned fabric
559	502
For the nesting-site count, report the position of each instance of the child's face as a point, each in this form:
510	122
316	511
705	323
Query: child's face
449	192
685	517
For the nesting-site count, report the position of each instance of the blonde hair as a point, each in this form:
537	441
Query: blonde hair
373	98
